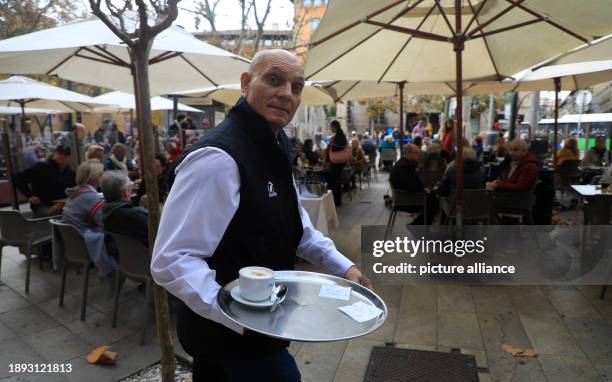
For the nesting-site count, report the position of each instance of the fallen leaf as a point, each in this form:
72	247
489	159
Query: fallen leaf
95	354
529	353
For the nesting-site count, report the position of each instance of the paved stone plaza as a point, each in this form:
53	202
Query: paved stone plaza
570	328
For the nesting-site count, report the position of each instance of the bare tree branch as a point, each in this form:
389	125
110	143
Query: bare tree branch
171	15
39	15
122	34
260	24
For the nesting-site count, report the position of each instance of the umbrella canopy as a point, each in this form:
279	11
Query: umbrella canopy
89	52
313	94
28	110
600	50
127	102
412	40
23	91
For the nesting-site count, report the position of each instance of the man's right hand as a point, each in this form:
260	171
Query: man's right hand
34	200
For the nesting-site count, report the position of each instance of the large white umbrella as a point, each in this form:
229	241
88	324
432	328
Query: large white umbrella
600	50
89	52
313	94
10	110
127	102
413	41
22	91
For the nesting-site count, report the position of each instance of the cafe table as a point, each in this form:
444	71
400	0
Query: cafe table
321	210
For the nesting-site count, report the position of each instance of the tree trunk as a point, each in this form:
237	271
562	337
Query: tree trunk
143	112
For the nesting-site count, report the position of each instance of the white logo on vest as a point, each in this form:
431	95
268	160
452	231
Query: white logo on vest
271	192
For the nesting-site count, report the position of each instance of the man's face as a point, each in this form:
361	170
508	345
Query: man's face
158	167
517	152
274	88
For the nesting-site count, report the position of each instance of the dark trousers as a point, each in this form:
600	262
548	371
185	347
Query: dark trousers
334	177
277	367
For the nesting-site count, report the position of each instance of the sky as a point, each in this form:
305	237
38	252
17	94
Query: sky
228	15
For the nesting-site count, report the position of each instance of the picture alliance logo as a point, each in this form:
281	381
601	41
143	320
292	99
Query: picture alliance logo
412	247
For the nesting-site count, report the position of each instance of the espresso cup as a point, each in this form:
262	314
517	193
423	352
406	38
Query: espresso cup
256	283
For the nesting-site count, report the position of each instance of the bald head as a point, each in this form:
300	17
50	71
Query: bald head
264	57
273	86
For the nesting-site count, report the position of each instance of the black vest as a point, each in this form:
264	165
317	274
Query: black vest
265	230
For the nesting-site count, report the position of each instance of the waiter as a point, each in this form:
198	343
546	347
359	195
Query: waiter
233	204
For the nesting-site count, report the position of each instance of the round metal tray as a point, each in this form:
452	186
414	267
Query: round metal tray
304	316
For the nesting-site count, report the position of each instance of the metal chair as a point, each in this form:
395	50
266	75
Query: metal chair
17	229
346	180
74	251
403	199
568	173
514	203
476	205
134	264
388	158
430	178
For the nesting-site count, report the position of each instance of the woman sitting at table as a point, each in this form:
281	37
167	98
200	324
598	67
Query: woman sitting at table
311	155
83	211
569	151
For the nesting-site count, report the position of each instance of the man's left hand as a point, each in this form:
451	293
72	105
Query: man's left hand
56	208
354	274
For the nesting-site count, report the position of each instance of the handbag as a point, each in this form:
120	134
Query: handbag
341	156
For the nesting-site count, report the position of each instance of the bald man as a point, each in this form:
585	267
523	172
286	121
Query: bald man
233	204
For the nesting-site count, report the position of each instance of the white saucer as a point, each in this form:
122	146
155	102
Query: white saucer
235	292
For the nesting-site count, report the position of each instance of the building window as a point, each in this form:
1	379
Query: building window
314	24
308	3
316	3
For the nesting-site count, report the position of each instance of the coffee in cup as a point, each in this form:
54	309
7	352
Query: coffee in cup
256	283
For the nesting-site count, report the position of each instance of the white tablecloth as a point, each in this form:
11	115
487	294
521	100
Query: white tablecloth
322	211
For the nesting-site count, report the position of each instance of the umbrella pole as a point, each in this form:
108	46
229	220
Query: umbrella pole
555	136
6	150
140	149
401	121
458	46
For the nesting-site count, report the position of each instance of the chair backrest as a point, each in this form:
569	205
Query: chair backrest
476	203
134	258
408	199
597	210
73	243
388	155
14	227
569	168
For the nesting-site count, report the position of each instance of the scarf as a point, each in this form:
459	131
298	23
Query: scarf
121	165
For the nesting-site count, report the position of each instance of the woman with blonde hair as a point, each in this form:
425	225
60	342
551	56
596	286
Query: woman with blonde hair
83	211
570	151
95	152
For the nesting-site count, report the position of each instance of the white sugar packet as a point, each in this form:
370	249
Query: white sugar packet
360	311
335	291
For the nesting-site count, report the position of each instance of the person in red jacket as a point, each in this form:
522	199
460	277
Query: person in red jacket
523	173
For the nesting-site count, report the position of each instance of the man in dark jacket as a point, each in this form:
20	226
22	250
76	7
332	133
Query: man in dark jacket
120	216
523	173
234	204
404	177
45	182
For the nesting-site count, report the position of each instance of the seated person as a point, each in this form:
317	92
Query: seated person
95	152
161	167
118	160
523	173
83	210
433	160
120	216
311	155
404	177
570	151
501	148
597	155
45	182
473	174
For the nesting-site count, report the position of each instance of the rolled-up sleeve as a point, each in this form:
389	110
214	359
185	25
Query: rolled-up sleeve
319	250
198	210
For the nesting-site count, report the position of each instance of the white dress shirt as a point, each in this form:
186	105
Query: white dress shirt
198	210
